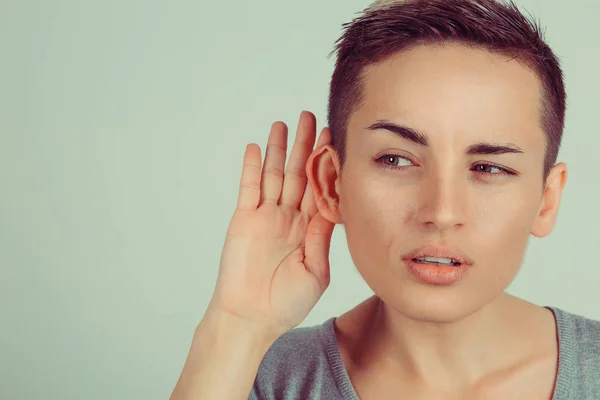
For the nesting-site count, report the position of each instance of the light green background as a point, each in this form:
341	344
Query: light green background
122	128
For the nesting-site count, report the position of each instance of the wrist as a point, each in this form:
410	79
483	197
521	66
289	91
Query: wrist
228	328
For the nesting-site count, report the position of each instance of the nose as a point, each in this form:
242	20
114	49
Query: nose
442	200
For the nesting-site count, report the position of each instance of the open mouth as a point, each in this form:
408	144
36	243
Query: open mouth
442	262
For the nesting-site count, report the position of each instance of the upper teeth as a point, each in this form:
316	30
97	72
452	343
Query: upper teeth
438	260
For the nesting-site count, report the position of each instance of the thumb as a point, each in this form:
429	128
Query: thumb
316	248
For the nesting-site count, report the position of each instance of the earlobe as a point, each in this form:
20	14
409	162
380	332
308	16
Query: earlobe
322	171
548	211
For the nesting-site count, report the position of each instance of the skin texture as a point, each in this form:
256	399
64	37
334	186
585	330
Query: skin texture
444	340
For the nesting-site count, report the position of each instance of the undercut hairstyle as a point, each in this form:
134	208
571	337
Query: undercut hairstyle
390	27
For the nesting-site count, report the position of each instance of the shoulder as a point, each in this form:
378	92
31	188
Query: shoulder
579	353
582	332
585	337
297	365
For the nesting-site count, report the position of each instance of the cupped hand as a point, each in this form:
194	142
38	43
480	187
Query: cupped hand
275	261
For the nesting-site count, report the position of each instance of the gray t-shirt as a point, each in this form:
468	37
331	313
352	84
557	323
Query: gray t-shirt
305	363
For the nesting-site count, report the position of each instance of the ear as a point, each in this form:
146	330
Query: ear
546	215
323	173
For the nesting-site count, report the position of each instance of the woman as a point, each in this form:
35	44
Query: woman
445	120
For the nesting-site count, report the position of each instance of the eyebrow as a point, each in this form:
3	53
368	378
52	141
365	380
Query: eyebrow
480	148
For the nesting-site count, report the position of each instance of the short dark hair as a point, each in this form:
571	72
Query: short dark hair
389	27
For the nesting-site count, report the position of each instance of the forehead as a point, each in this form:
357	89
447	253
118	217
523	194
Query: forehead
453	89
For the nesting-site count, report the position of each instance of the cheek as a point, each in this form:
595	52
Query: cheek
366	201
502	219
373	214
499	234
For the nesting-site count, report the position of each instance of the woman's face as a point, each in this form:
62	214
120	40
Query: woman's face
395	195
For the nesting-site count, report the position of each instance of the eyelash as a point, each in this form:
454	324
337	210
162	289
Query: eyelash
504	172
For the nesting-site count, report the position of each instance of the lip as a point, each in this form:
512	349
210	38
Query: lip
437	274
440	252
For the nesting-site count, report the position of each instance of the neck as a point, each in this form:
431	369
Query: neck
445	355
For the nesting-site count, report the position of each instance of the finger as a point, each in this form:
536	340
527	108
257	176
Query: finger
249	194
294	183
317	245
272	172
308	203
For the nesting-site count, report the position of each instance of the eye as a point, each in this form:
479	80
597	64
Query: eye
395	161
486	169
391	161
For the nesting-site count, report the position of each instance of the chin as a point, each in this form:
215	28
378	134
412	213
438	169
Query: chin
439	307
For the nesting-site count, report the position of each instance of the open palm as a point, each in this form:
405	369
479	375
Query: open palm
275	261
